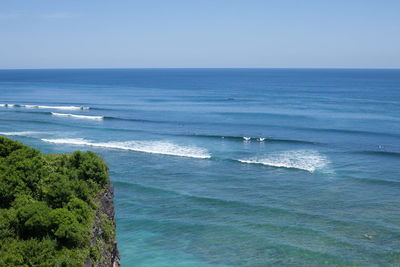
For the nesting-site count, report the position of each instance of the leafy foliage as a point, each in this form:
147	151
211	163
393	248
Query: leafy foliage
47	205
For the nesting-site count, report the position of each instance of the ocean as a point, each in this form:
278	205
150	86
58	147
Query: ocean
229	167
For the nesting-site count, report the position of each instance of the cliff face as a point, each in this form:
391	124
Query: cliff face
104	251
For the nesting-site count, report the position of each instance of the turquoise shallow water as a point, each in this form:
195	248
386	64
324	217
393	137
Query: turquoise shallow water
319	171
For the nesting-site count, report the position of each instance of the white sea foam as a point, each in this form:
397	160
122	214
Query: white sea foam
46	107
77	116
307	160
64	107
28	106
25	133
56	107
155	147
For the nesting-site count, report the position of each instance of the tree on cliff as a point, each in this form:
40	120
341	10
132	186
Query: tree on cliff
47	205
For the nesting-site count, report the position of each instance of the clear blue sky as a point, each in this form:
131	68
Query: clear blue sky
201	33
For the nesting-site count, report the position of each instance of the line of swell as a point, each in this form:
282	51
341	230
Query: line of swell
86	117
347	131
277	165
240	138
391	183
135	120
233	138
45	107
342	131
265	208
307	160
379	153
23	133
301	160
30	112
153	147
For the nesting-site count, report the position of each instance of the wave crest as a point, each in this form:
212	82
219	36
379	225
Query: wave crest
25	133
77	116
55	107
7	105
64	107
307	160
154	147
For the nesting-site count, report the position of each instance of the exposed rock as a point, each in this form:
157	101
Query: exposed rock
104	251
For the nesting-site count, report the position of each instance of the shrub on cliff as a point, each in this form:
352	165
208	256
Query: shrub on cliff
47	205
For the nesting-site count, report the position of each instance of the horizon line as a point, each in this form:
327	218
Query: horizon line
216	68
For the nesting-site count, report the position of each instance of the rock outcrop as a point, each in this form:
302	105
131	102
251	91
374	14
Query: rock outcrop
104	251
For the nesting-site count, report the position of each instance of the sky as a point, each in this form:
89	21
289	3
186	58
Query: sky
199	34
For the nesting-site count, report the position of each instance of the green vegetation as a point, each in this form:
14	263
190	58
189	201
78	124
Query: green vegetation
48	206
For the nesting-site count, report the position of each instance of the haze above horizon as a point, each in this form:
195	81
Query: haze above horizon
201	34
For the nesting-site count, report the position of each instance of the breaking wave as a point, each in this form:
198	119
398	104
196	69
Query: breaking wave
7	105
154	147
56	107
77	116
250	138
25	133
45	107
307	160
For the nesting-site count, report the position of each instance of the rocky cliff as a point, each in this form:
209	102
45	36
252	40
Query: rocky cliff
104	251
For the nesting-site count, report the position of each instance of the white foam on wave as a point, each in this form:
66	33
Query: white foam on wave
2	105
65	107
56	107
308	160
25	133
28	106
77	116
154	147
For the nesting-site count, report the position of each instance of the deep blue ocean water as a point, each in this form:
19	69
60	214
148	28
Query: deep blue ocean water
319	171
